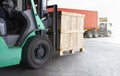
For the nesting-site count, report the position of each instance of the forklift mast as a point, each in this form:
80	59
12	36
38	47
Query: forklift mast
41	6
36	16
43	14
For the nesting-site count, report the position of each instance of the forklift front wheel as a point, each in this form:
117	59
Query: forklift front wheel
37	52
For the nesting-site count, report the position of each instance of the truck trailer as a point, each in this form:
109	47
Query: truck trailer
93	25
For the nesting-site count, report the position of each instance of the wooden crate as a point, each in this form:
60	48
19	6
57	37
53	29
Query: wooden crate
70	32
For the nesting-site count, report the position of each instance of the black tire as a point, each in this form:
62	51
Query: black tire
37	52
95	34
89	34
108	34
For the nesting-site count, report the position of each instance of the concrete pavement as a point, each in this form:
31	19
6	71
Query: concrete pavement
99	59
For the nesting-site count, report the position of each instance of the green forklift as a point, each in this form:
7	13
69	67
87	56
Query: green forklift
24	34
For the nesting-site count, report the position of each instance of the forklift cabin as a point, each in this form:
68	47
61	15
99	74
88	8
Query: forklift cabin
25	41
15	27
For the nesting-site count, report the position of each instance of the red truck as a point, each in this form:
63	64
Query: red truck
92	26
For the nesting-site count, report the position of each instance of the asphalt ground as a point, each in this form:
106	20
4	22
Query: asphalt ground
100	58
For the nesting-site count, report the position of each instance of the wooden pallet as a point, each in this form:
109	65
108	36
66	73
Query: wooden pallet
68	52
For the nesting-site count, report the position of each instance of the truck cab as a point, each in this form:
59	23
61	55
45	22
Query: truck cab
104	27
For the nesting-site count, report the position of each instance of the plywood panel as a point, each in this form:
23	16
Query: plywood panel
65	41
70	32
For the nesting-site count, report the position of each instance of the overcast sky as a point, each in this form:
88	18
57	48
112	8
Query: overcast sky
107	8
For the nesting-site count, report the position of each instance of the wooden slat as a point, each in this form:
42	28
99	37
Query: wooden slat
71	32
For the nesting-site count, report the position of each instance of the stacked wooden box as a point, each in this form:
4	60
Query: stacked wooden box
70	32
